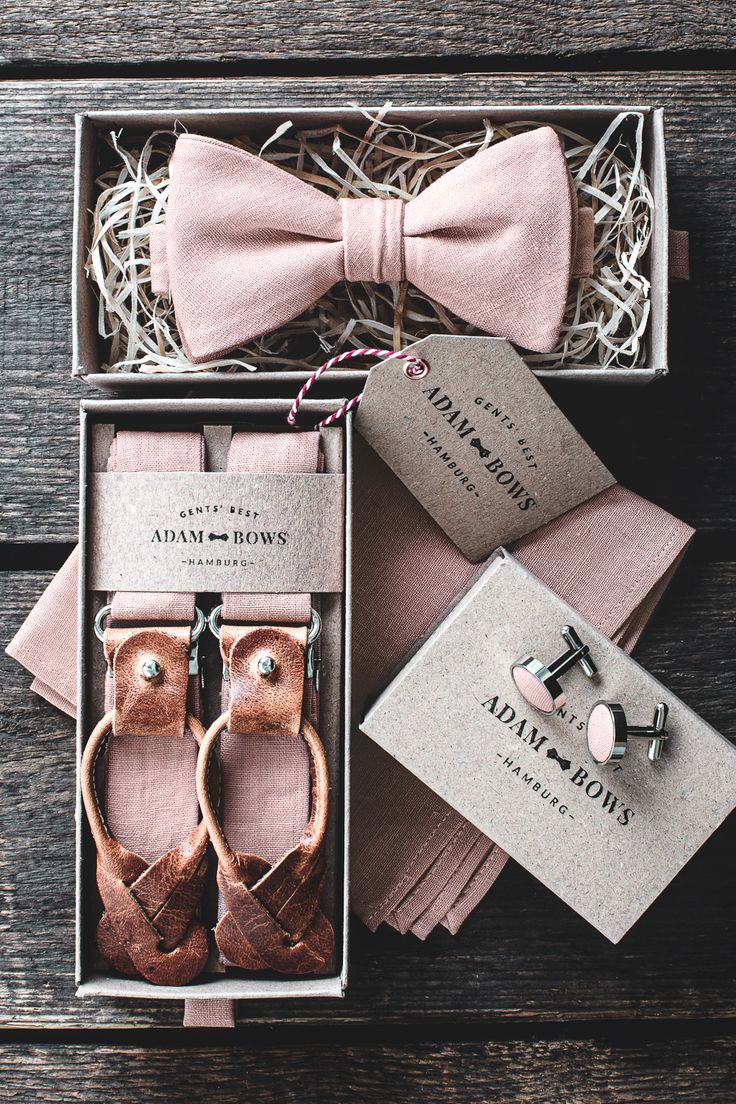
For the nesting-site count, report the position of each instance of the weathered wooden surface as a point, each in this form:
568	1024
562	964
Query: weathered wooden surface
687	1070
573	1018
522	956
672	441
213	33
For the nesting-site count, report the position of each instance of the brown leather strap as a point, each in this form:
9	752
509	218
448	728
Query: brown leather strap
147	927
268	704
150	669
273	919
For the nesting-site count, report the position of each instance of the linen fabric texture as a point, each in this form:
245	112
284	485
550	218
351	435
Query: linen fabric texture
247	247
611	558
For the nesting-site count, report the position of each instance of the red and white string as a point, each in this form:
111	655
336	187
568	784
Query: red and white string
413	367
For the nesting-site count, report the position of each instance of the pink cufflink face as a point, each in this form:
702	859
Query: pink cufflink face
608	732
539	683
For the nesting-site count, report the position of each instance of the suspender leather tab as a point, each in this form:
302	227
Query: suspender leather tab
266	668
150	668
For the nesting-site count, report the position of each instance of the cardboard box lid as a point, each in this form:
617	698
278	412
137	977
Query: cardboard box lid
606	839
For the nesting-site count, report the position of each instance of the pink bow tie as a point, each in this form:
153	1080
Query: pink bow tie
247	247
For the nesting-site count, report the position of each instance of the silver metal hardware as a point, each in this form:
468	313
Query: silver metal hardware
199	624
213	621
266	665
311	664
150	669
539	683
608	732
100	619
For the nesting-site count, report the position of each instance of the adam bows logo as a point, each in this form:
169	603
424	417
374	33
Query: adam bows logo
564	764
476	444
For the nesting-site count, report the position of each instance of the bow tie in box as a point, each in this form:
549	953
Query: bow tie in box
247	247
242	251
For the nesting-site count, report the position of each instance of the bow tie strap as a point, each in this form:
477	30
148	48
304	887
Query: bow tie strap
247	247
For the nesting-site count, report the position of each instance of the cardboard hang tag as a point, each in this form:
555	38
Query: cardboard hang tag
478	441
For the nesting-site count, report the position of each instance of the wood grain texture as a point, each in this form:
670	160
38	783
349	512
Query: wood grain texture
673	441
68	34
682	1071
522	956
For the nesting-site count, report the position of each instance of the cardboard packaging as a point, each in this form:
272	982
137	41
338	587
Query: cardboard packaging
87	352
607	839
216	416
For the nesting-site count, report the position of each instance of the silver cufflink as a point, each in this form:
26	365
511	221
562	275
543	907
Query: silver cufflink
608	732
538	683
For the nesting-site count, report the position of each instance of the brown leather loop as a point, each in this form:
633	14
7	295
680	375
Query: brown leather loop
148	926
273	919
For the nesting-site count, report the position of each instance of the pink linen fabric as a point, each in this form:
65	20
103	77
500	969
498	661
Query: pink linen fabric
246	246
415	861
150	794
54	617
265	780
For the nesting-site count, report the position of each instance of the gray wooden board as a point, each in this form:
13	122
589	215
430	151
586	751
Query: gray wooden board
682	1070
215	32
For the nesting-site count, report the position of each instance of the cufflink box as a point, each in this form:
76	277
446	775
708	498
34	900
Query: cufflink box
607	838
88	346
214	417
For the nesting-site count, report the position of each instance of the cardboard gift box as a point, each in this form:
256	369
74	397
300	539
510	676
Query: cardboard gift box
126	555
261	123
607	835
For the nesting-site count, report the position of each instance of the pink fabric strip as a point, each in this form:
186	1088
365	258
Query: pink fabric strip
53	618
434	914
582	262
209	1013
167	451
609	558
150	793
679	250
271	452
440	873
151	797
265	786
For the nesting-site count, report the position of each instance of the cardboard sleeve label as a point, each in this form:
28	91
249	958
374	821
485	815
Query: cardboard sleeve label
606	839
216	531
478	441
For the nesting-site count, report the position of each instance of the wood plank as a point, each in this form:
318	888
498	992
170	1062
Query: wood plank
672	441
522	955
67	35
517	1071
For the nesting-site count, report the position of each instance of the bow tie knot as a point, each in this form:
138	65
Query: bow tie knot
373	240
